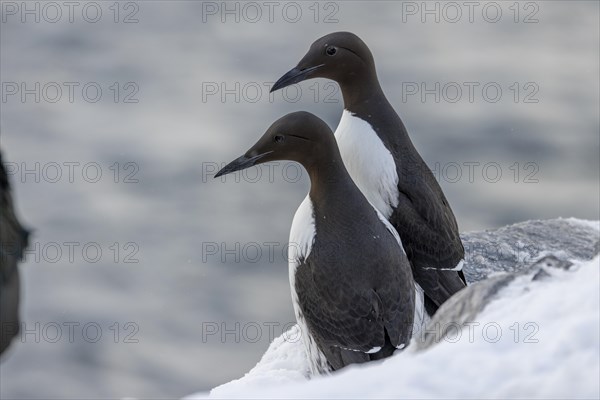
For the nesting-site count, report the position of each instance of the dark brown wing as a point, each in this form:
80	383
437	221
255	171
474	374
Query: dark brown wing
430	237
348	323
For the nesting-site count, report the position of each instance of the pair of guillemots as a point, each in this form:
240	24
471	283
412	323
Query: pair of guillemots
376	245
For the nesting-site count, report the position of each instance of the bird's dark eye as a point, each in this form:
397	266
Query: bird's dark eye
278	138
331	50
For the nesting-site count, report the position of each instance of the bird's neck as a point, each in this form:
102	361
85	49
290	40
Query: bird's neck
361	89
329	179
337	201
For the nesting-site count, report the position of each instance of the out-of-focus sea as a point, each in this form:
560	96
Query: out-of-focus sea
153	280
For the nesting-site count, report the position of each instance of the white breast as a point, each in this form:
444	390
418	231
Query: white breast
302	236
302	233
369	162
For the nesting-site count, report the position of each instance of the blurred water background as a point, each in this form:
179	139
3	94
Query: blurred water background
137	278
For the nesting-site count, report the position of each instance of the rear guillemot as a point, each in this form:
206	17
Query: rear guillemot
385	165
351	282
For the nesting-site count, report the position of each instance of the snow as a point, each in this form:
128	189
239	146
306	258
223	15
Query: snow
520	333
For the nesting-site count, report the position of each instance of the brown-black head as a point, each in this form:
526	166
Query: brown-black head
340	56
299	136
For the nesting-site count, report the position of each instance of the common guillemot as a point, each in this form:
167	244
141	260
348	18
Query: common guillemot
351	282
385	165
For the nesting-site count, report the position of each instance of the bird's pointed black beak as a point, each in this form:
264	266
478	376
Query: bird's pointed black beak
240	163
294	75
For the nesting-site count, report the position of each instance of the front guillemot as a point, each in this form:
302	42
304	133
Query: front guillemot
385	165
351	282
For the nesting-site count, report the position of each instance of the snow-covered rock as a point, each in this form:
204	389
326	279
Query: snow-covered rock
513	247
463	308
518	333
